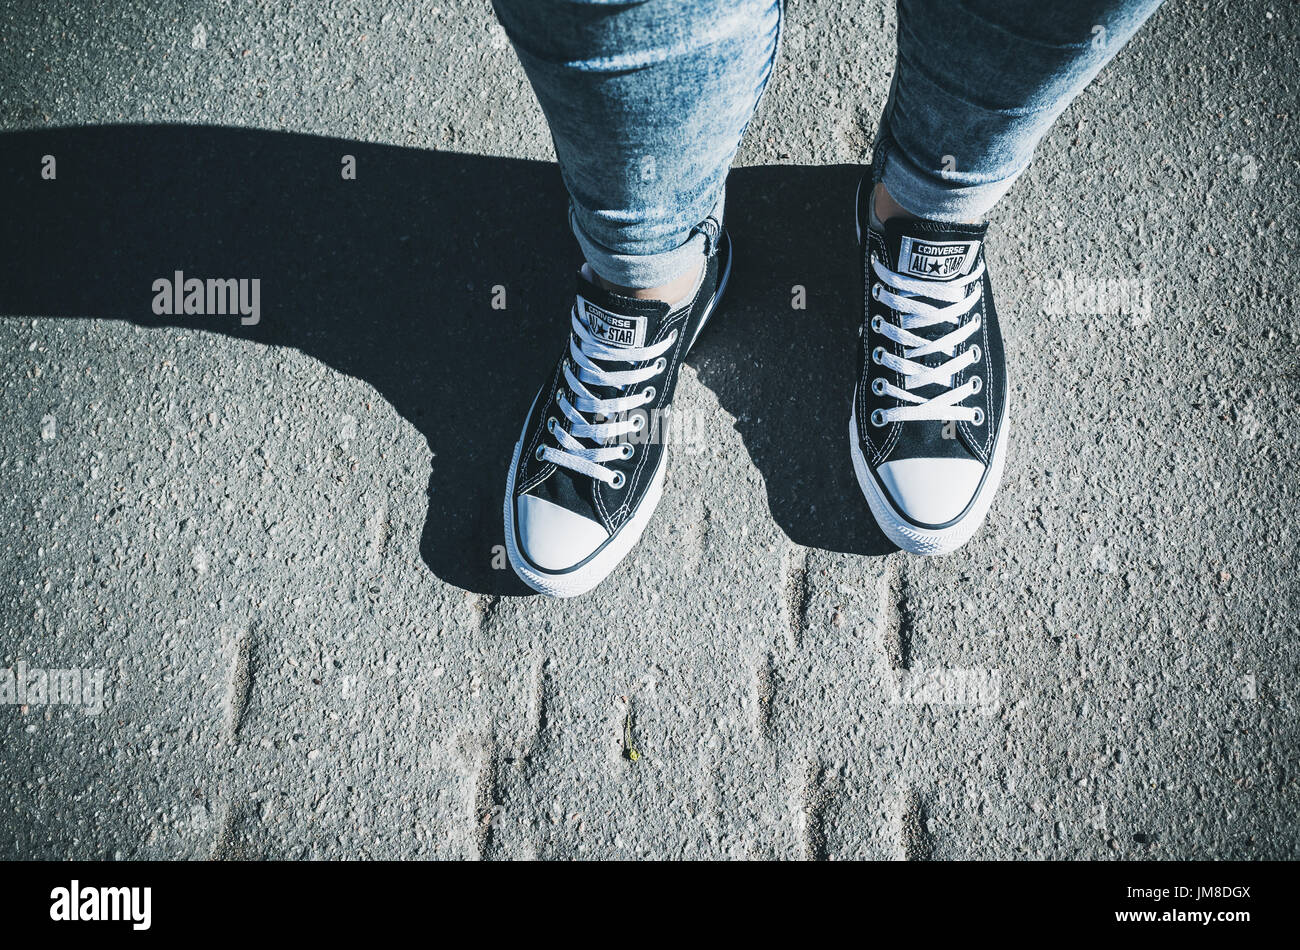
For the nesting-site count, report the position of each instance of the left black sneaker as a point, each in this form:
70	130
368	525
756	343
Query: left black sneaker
589	466
928	429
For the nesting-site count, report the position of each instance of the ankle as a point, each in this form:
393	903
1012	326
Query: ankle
884	207
672	292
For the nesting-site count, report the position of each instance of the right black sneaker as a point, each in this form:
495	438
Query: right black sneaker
589	465
928	430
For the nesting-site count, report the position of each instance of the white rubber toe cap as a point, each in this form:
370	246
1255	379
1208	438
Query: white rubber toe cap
931	491
555	538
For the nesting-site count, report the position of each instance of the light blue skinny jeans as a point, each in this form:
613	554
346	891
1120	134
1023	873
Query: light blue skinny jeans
647	101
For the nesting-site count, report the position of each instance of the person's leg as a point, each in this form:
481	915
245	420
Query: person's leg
977	84
647	102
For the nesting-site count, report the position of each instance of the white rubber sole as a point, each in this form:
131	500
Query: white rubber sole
927	541
600	565
580	580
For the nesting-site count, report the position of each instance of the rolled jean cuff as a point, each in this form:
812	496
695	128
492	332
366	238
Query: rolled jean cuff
646	270
936	198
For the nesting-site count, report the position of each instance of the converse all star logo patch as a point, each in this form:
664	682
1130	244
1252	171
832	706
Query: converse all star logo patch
614	329
936	260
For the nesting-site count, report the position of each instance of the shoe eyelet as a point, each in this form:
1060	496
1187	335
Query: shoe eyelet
538	454
878	386
628	450
875	291
979	416
977	353
660	364
876	323
638	421
878	418
977	384
648	394
550	424
878	354
618	481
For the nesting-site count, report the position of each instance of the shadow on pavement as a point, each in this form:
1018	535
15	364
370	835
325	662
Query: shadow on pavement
389	278
787	374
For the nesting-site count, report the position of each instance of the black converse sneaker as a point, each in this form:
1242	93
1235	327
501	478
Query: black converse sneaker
589	466
928	429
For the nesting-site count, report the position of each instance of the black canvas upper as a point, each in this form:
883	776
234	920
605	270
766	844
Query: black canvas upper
591	497
925	439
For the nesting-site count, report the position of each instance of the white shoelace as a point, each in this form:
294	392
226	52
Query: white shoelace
914	315
586	349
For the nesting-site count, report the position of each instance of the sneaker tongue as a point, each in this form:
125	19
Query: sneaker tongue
619	321
932	250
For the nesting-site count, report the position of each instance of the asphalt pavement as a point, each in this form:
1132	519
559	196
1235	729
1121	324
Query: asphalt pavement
275	545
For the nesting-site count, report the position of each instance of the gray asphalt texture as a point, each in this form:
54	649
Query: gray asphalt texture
278	541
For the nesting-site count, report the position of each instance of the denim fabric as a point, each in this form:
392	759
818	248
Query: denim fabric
647	101
977	83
